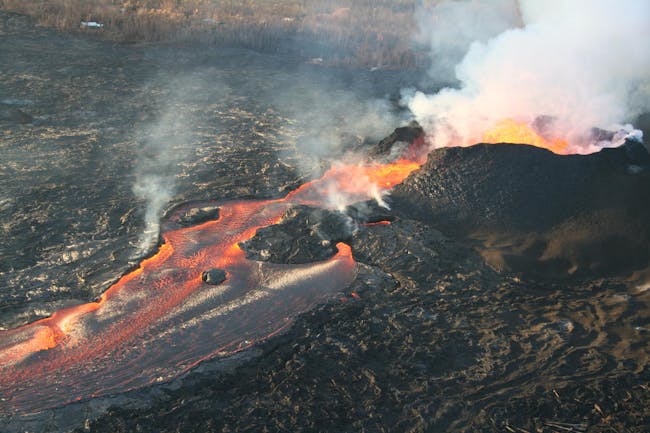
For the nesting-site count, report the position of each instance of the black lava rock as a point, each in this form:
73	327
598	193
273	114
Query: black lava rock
636	153
213	276
305	234
199	215
404	136
368	212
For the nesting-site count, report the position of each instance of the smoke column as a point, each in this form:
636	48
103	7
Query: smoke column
580	64
162	145
332	119
449	28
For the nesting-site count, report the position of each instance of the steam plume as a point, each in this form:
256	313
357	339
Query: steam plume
580	64
449	28
333	119
162	145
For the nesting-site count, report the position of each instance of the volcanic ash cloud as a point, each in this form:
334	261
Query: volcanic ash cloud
579	64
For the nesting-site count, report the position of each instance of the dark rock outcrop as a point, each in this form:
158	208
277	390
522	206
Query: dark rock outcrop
368	212
532	211
400	139
198	215
214	276
305	234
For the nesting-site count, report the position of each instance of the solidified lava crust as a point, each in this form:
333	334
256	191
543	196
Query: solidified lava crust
530	211
436	339
304	234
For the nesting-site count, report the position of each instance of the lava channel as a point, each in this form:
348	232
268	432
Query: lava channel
161	319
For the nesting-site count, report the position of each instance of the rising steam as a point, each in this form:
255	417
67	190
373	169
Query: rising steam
450	27
162	145
578	65
333	120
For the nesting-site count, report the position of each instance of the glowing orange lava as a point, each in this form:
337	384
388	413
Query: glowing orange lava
345	184
161	319
378	223
510	131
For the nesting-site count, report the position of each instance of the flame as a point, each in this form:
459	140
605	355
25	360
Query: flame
510	131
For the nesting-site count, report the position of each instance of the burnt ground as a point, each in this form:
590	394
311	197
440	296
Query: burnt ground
430	336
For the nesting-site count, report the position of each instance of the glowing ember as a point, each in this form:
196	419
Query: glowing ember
378	223
510	131
161	319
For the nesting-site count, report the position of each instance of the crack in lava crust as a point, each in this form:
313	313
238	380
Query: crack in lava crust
161	319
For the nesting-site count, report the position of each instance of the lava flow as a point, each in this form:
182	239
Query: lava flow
162	319
510	131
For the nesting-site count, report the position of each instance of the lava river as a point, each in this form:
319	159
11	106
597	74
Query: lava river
162	319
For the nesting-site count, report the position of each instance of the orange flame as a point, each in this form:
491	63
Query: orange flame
510	131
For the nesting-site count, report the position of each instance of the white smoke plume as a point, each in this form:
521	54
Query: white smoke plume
357	186
332	119
328	116
162	145
448	28
580	63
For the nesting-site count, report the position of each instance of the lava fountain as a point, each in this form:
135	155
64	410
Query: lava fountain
161	319
511	131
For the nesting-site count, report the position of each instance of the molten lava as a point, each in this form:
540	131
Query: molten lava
161	319
510	131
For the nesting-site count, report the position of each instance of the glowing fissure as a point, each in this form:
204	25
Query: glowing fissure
161	319
511	131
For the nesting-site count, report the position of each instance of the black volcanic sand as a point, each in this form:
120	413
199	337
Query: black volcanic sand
429	337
